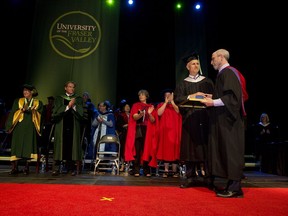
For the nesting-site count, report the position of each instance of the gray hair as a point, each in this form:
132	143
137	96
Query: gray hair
263	115
145	92
223	52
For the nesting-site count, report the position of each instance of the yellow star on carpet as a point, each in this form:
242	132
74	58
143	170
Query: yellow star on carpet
107	199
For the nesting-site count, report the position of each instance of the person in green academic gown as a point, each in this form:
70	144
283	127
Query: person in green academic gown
67	116
23	124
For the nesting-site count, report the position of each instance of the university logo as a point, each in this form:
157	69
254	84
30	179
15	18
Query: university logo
75	35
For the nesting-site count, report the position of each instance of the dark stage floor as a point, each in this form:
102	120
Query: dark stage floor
253	179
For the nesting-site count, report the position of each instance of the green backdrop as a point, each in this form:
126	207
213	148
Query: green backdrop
75	40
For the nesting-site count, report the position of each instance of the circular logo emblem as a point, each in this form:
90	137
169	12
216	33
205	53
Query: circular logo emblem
75	35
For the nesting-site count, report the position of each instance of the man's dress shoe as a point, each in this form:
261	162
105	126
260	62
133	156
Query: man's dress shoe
14	172
230	194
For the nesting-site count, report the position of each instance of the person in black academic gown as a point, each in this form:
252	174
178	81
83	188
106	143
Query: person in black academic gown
194	135
227	129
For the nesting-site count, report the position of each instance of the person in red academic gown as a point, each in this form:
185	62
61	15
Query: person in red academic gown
122	126
141	140
169	133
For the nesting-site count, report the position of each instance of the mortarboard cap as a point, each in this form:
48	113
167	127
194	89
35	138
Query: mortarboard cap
191	57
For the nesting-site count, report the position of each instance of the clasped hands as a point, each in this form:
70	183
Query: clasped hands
169	98
100	119
25	108
72	103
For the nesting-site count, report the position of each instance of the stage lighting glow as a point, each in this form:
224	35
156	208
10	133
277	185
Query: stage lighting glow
110	2
178	6
197	6
130	2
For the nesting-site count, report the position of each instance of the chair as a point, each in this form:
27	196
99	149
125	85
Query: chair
84	142
49	149
107	158
5	146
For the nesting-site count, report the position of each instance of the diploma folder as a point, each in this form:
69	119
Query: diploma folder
193	102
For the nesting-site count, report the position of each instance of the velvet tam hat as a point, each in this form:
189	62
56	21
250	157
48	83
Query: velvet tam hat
122	104
170	90
31	88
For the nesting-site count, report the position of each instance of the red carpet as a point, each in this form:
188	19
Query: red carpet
55	199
